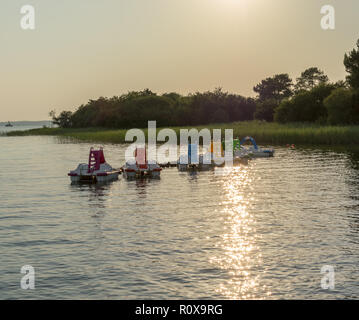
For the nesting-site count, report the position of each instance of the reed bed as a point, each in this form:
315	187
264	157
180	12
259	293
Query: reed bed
263	132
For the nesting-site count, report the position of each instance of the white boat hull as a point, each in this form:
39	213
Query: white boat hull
132	170
141	174
105	174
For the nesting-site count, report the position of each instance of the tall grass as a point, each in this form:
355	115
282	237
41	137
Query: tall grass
263	132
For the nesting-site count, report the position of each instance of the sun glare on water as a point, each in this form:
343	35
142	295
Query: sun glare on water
240	252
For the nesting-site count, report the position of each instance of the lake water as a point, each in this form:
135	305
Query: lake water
259	231
23	125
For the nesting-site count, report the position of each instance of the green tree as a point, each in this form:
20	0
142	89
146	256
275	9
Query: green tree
63	120
283	113
309	79
172	95
220	116
342	106
341	84
277	87
137	112
306	106
351	63
265	110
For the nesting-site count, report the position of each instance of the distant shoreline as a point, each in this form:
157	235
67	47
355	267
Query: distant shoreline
25	121
263	132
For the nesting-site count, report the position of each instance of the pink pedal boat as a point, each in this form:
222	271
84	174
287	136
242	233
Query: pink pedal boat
97	169
141	167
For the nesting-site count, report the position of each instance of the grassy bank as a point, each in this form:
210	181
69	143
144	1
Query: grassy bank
264	133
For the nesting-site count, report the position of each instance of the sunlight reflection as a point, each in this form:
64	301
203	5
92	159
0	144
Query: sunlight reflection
240	254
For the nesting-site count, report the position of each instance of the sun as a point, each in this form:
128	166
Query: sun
234	7
234	4
239	3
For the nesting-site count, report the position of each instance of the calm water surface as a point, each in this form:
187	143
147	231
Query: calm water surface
259	231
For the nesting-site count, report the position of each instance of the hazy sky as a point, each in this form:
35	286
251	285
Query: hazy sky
83	49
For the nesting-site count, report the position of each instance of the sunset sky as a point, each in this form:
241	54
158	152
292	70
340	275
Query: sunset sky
84	49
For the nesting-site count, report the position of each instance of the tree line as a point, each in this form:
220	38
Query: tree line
311	98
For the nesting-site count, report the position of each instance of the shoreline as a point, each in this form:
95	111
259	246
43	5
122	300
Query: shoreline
262	132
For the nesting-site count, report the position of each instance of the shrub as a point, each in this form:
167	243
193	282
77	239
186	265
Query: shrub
265	110
282	112
341	106
306	106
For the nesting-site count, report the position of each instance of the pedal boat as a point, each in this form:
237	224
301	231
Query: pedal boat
192	161
253	151
96	170
140	167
